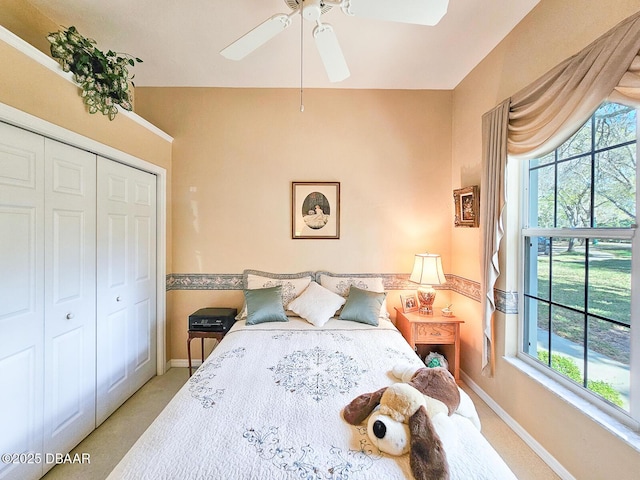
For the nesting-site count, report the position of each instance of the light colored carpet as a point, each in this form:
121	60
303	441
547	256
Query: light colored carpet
111	440
523	461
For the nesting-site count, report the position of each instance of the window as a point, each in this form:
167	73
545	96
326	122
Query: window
579	243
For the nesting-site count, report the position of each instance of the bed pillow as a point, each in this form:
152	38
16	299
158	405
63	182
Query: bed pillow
264	305
363	306
293	284
316	304
341	284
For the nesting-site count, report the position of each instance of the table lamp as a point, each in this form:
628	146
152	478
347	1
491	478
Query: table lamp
427	271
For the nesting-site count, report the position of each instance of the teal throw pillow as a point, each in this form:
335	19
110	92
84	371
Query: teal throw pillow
265	305
363	306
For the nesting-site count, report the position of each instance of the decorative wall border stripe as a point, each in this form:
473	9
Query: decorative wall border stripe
204	281
464	286
506	302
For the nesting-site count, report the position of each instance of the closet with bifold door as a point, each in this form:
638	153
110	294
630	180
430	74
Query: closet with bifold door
77	294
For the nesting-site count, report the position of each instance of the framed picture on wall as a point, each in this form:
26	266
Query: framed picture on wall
315	210
467	203
409	303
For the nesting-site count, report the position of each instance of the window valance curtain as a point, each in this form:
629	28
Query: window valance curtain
537	120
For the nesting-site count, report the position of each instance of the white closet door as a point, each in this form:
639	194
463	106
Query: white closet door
126	301
70	315
21	298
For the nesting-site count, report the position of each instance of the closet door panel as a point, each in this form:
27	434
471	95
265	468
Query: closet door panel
144	277
21	297
143	325
114	343
126	283
19	258
66	390
70	252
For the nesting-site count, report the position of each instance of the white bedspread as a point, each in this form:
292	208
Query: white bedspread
267	404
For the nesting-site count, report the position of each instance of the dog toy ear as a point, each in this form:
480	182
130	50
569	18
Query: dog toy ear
428	459
361	406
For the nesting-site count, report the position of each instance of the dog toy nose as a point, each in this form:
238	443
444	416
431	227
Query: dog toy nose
379	429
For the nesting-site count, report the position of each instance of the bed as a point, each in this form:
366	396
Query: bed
267	403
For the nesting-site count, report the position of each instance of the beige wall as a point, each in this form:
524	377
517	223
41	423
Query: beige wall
23	19
236	152
552	32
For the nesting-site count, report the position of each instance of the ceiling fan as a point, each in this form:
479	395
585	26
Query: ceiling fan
420	12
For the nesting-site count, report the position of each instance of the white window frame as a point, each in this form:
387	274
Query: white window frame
629	419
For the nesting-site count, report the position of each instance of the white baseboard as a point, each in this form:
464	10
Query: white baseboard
184	363
517	428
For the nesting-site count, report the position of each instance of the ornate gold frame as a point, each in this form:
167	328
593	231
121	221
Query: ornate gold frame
467	203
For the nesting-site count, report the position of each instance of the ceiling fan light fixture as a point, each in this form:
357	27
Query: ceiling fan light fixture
311	10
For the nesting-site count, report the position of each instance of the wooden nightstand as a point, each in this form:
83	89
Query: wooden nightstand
201	335
432	330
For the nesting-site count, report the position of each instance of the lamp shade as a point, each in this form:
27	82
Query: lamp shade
427	269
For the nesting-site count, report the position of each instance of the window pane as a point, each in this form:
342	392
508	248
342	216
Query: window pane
568	272
615	188
615	124
608	368
541	197
610	279
548	158
574	193
567	343
536	338
536	282
578	144
543	326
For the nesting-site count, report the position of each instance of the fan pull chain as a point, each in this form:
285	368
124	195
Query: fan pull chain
301	55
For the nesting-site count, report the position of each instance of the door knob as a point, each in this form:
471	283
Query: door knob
69	316
117	298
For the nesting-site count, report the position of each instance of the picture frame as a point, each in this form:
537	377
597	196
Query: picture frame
315	210
467	207
409	303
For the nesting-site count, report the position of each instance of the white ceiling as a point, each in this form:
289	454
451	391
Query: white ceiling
179	41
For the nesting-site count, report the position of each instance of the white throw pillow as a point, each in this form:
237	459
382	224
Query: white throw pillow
316	304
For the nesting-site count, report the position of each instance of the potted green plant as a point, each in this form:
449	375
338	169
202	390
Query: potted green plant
103	77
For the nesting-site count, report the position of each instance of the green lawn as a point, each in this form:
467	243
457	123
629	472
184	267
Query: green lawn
609	295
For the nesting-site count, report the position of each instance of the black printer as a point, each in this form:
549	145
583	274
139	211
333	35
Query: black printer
212	319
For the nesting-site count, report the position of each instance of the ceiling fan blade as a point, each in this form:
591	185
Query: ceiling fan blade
256	37
330	52
420	12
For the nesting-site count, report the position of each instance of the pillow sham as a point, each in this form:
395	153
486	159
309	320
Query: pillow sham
264	305
341	285
363	306
316	304
293	284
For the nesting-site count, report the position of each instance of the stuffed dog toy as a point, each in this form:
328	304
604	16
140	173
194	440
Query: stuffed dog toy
402	421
